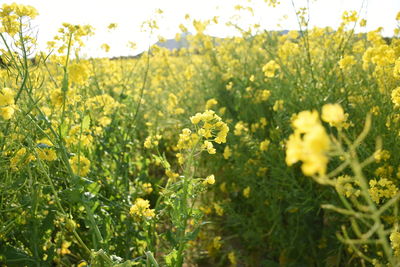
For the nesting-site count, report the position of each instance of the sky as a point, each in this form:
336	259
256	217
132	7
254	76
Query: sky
130	15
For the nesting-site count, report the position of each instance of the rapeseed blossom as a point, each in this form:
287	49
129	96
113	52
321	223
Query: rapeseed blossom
309	144
80	165
209	179
264	145
270	68
395	241
381	189
45	150
333	114
396	97
7	107
141	208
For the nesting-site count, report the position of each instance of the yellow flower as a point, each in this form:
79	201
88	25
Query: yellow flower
80	165
64	248
382	155
105	47
141	208
217	242
22	156
305	121
346	62
104	121
6	97
45	151
333	114
171	175
180	157
240	127
147	142
47	154
270	68
7	107
294	149
396	97
264	145
78	73
383	188
196	118
112	26
246	192
232	258
147	188
209	147
344	186
264	95
278	105
7	112
395	240
210	103
210	179
218	209
308	144
227	152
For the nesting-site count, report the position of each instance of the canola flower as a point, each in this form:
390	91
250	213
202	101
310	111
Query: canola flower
141	208
227	152
147	188
309	144
347	62
80	165
270	69
21	158
209	180
101	90
152	141
211	129
7	107
11	16
246	192
396	97
347	186
264	145
381	189
395	242
45	151
333	114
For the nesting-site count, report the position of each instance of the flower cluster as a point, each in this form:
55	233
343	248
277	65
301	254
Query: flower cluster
381	189
80	165
270	68
11	15
210	127
347	186
7	106
141	208
152	141
395	240
45	151
309	144
333	114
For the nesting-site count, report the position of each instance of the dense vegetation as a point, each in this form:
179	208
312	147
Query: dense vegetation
268	149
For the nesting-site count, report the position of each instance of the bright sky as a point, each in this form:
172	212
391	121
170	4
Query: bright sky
130	14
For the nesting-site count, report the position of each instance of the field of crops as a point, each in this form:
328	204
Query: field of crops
268	149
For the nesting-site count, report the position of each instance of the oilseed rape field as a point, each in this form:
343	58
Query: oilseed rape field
265	149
